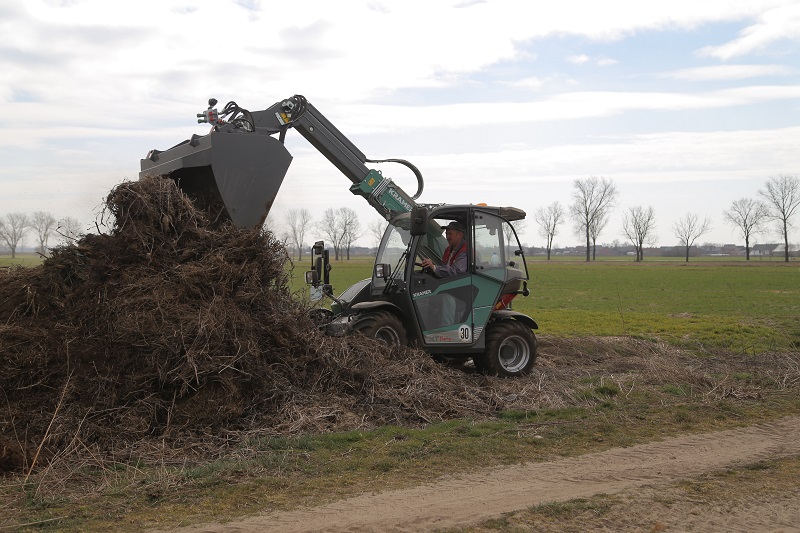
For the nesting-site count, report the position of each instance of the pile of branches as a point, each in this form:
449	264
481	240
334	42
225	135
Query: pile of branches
173	326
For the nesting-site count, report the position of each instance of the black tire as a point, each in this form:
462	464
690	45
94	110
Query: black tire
510	349
384	326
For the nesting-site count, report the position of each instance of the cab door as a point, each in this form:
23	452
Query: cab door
495	271
443	305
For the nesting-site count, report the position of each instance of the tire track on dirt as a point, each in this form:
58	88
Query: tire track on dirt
464	499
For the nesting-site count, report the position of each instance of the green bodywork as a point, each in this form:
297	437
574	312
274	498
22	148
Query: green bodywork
382	194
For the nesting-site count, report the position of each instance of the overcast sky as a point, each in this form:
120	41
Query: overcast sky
686	105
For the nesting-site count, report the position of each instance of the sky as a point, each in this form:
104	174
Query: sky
686	106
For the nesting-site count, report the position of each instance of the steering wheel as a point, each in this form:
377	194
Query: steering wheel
425	270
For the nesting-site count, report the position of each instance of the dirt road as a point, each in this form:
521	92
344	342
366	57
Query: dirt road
467	499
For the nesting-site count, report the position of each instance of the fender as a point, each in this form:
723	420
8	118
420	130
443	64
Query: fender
340	326
508	314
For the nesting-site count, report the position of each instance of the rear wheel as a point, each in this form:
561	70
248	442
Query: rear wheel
384	326
510	349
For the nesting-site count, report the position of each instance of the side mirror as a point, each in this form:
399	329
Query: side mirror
383	270
419	221
312	277
320	265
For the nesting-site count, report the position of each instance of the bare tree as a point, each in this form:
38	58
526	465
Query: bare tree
782	194
593	199
12	230
376	230
638	225
749	217
298	222
69	229
43	224
350	228
689	228
548	219
517	226
595	229
331	229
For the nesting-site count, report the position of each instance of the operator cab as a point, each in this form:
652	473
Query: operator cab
451	311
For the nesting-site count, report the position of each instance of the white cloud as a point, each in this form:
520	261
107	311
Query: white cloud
582	59
729	72
579	59
563	106
527	83
782	22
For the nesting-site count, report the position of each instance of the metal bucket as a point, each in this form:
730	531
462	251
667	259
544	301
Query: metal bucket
234	176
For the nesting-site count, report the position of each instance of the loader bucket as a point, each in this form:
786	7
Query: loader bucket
233	176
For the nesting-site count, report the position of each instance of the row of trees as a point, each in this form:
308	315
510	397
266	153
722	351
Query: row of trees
14	227
594	198
593	201
339	227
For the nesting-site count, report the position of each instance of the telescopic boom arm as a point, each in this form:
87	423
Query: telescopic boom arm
241	164
298	113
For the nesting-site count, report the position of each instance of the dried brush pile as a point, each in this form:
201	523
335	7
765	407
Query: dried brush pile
176	328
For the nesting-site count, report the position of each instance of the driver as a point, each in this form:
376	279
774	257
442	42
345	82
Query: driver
454	260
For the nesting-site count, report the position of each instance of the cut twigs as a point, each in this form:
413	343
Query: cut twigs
182	329
47	431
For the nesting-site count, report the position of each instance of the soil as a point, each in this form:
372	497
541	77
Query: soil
640	474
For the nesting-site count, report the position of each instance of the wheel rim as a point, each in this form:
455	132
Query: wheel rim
388	335
514	354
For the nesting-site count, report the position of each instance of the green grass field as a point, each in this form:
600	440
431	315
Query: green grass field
710	304
707	303
26	259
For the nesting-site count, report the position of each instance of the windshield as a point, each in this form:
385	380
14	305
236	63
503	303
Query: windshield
394	244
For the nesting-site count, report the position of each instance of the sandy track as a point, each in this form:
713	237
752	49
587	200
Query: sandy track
469	498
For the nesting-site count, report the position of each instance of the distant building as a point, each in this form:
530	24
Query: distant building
794	250
768	250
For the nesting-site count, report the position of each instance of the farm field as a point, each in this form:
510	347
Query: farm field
631	354
733	305
22	259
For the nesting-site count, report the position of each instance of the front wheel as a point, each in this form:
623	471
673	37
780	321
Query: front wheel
321	317
510	349
384	326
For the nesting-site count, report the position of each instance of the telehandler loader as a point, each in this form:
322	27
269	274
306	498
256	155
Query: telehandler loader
237	170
